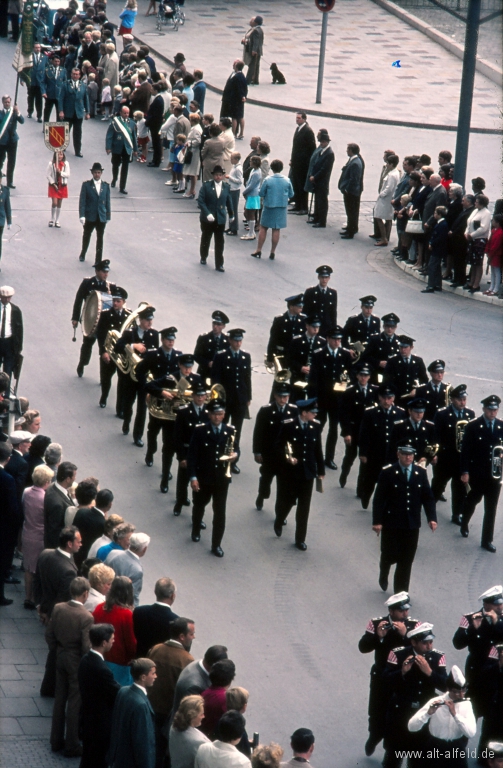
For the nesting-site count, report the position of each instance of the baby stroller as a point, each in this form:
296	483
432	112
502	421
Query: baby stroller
170	13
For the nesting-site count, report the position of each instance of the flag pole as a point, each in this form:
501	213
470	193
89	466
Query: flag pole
17	88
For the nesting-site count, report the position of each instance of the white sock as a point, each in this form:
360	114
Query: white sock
56	214
251	224
53	212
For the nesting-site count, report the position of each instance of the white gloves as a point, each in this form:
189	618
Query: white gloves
210	218
82	220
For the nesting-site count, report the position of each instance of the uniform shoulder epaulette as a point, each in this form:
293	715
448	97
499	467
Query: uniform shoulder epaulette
370	407
400	648
388	466
351	386
287	421
402	421
378	618
201	425
292	405
222	352
229	426
316	421
317	351
182	408
351	317
299	336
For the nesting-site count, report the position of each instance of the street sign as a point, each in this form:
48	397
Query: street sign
324	5
56	136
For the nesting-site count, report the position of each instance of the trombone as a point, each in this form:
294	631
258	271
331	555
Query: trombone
496	463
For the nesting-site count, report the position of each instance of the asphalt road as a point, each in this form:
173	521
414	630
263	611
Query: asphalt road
291	620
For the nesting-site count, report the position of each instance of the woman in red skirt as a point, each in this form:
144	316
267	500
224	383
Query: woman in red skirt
128	17
58	173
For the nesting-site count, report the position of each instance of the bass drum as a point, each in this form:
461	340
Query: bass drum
94	305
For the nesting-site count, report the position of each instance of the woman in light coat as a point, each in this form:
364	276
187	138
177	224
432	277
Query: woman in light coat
229	142
213	152
478	229
275	192
111	65
191	170
185	738
383	211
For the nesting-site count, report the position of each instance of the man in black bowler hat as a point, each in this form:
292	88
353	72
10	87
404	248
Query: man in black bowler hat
94	211
214	203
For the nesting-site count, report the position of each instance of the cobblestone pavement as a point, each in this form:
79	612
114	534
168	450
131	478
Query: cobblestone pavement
363	42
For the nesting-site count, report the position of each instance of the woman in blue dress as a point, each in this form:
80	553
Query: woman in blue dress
275	192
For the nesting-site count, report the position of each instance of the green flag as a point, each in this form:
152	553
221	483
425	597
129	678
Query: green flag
23	56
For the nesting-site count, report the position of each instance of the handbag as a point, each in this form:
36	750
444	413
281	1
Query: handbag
181	157
188	156
414	227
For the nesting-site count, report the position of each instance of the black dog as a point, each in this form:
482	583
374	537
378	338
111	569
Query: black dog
278	77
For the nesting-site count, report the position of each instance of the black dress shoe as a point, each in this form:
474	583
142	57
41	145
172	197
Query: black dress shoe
301	545
103	403
302	213
5	601
79	154
112	184
219	269
119	415
138	442
489	546
82	258
73	752
319	226
170	477
177	510
149	460
464	531
125	429
345	236
217	551
153	165
202	525
123	191
11	580
330	464
235	469
195	537
278	529
383	583
372	741
259	502
342	479
164	488
186	503
11	186
456	519
428	290
203	262
442	498
29	605
80	371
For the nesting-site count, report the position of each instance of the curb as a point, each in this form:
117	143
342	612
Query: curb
482	66
333	115
447	288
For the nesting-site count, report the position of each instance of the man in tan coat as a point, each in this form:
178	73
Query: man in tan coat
68	633
170	659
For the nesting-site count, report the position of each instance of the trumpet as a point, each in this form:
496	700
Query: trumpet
497	462
229	449
460	431
341	386
280	374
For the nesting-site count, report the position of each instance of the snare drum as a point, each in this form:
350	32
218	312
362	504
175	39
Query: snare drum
94	305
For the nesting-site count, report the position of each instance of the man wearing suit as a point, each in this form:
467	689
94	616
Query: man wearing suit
187	418
89	284
53	79
478	467
415	431
10	517
304	144
128	564
73	106
253	43
56	569
9	118
321	300
36	84
151	622
438	247
94	211
405	370
402	489
56	501
195	678
213	201
351	186
111	320
318	178
458	242
122	145
234	97
91	523
154	121
11	330
17	466
438	196
133	735
67	635
98	691
232	369
354	402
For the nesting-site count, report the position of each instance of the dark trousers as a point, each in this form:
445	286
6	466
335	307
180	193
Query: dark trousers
398	545
49	104
298	179
120	161
321	206
89	228
7	355
35	99
442	473
208	230
253	72
234	224
182	483
168	443
134	391
352	206
156	145
378	704
1	235
268	471
368	477
9	151
235	415
4	19
333	430
107	371
458	250
161	742
435	270
14	23
348	461
66	704
76	124
293	488
489	490
218	495
48	684
86	350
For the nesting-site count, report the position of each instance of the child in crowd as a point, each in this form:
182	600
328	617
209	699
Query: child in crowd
179	185
117	99
235	178
92	93
106	99
141	135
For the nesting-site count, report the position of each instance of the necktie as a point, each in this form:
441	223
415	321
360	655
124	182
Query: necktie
216	430
4	312
304	426
406	473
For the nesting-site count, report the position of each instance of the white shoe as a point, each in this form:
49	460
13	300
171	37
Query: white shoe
51	223
57	225
168	183
103	119
248	237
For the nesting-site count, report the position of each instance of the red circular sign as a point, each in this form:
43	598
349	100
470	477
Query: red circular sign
324	5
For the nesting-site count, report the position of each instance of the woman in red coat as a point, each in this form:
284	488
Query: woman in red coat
118	611
494	253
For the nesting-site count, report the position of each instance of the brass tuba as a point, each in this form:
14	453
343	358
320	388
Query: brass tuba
358	348
217	391
430	452
124	360
163	408
341	386
497	462
447	394
460	431
280	374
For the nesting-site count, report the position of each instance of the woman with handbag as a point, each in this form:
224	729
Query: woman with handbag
383	211
415	226
58	173
192	164
478	228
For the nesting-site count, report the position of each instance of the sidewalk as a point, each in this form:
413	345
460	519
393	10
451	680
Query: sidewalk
363	42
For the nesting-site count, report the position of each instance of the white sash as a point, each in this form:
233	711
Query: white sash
117	124
6	121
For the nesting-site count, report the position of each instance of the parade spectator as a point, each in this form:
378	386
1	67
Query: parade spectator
235	179
192	162
383	210
251	194
275	192
128	563
438	250
223	751
185	736
351	186
128	18
33	528
118	611
494	252
221	676
111	523
478	227
199	88
35	456
100	578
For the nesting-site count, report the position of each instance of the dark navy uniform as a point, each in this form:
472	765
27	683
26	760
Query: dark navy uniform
150	339
233	371
322	303
360	328
86	287
207	346
370	642
283	329
295	483
407	432
397	507
373	443
301	353
380	347
434	394
403	375
111	320
326	370
479	643
203	463
409	692
187	419
354	401
448	466
476	458
158	362
265	436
